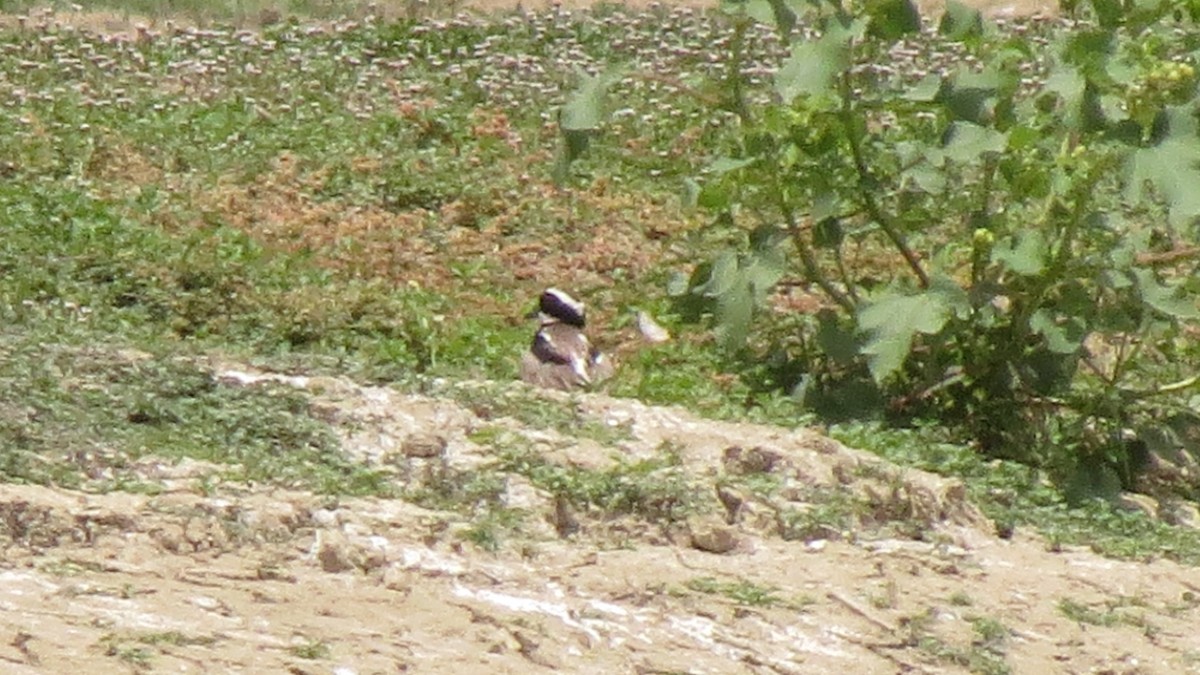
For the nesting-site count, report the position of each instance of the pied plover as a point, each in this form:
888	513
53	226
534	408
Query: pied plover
561	356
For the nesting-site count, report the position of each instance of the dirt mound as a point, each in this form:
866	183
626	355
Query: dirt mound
841	562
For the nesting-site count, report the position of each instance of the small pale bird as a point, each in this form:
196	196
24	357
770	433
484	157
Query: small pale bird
561	356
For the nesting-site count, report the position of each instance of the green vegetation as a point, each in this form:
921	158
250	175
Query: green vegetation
960	599
1113	613
129	651
174	637
1013	494
1004	247
743	592
984	655
995	257
494	400
656	489
84	415
311	650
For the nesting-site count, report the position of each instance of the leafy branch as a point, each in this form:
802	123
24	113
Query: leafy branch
1078	195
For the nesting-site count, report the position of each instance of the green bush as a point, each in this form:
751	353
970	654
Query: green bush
1003	242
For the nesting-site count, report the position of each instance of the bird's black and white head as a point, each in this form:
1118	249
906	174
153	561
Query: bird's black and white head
557	306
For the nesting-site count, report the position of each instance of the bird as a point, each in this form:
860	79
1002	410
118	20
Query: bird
561	356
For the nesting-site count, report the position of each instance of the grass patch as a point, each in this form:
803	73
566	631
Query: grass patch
488	530
87	415
492	401
960	599
1110	614
655	489
177	639
742	591
985	654
311	650
479	494
1013	494
827	513
125	650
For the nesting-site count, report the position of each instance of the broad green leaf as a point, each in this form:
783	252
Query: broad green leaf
960	21
1169	300
926	90
584	109
785	16
927	178
1062	337
892	322
1108	12
723	165
949	294
677	284
689	195
828	233
579	119
766	242
1079	102
972	96
1021	137
778	13
761	276
1026	256
1065	81
1173	168
813	67
835	340
715	195
892	19
723	275
966	142
1101	108
1089	49
1124	254
735	307
825	205
735	285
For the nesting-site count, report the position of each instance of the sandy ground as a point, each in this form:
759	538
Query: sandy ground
237	578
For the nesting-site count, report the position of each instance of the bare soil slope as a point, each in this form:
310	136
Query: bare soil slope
234	578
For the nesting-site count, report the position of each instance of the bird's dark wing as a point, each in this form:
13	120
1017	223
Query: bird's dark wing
559	343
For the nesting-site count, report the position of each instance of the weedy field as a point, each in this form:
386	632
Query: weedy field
375	197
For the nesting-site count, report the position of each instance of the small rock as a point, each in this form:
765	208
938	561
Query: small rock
326	518
712	537
733	501
335	554
372	559
1180	513
203	534
755	460
424	445
396	578
169	537
565	522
